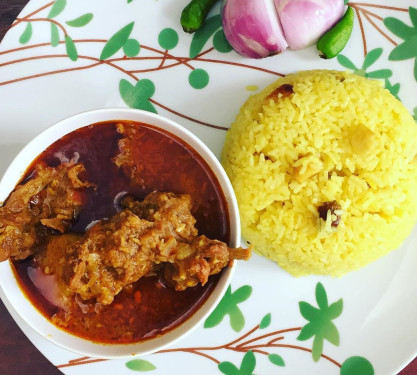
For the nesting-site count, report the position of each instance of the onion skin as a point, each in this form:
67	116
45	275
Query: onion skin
252	28
305	21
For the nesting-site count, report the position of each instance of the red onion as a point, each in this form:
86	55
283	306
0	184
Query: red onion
261	28
252	28
305	21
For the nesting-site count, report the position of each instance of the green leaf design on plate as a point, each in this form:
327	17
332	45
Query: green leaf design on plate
248	363
344	61
131	48
321	296
237	319
81	20
415	113
116	42
168	38
276	360
331	334
138	96
317	348
320	325
415	69
140	365
393	89
57	8
228	306
265	322
371	57
380	74
71	48
335	309
246	367
399	28
369	60
202	35
54	35
413	16
129	1
242	294
307	332
27	34
228	368
307	311
405	51
356	366
198	78
220	43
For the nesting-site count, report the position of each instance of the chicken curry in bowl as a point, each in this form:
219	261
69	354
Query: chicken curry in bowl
118	232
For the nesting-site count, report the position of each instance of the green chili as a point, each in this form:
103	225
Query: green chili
194	14
334	40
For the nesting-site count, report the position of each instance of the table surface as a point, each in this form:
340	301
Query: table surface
13	343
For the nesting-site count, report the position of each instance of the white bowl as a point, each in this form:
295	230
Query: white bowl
17	302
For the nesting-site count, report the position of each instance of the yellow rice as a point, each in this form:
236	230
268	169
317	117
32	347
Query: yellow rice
338	137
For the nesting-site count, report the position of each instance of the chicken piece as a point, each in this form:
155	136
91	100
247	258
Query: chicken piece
51	199
53	258
196	261
112	254
194	258
174	209
52	261
118	251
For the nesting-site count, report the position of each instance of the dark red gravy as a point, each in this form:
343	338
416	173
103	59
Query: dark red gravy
149	307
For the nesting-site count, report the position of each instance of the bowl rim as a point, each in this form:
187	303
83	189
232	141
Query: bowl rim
13	295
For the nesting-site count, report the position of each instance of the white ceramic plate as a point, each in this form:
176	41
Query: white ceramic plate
259	321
